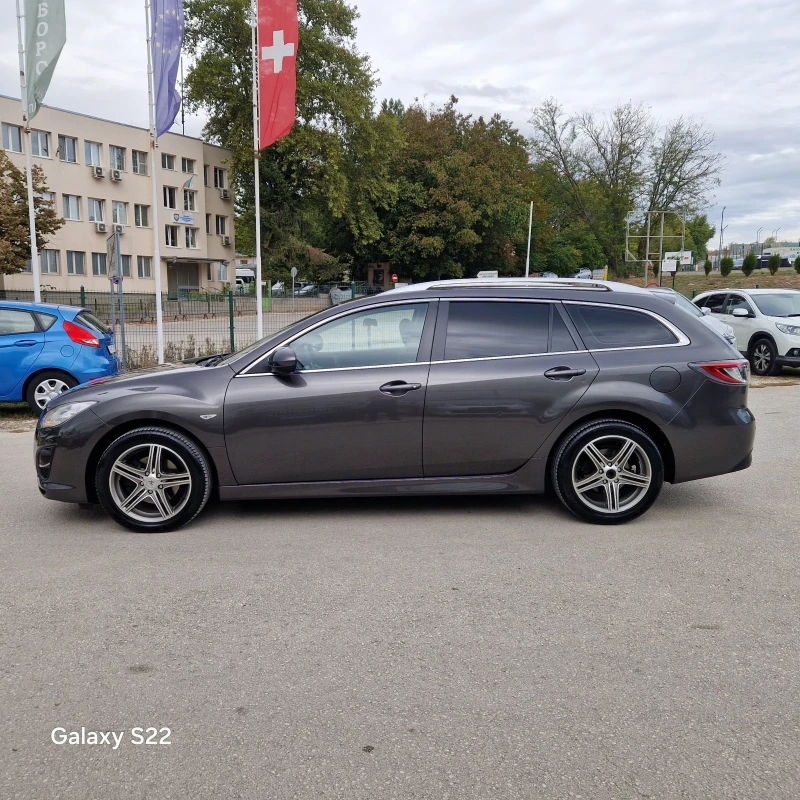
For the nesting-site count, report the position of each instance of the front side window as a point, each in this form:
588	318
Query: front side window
72	206
96	209
99	264
48	262
40	144
375	337
119	213
602	327
144	266
497	330
92	154
76	263
117	157
170	193
68	149
737	301
12	138
15	322
141	216
139	162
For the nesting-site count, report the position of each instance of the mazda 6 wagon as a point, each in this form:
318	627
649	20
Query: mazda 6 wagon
596	391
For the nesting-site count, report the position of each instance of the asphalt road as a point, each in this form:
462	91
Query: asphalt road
435	648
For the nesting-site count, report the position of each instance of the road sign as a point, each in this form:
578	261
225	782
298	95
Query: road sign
294	272
395	279
669	265
111	254
489	273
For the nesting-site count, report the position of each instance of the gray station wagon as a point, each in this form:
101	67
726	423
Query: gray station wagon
597	391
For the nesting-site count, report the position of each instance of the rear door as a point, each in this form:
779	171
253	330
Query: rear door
21	342
504	373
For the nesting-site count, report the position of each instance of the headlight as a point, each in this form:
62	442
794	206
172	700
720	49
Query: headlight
791	330
61	414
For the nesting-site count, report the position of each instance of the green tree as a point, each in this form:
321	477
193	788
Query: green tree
15	239
337	162
749	264
774	263
797	265
725	266
707	267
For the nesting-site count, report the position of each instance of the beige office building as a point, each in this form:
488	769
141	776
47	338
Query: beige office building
100	177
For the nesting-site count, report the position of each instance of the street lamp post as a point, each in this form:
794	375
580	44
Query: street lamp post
758	238
721	229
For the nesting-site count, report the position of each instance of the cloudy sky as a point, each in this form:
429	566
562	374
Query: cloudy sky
733	63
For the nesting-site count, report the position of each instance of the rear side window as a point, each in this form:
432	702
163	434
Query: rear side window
13	321
46	320
602	327
90	321
494	330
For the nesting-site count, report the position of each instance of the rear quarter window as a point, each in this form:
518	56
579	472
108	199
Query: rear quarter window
601	327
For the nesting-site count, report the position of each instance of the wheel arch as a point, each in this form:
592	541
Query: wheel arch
131	425
647	425
758	336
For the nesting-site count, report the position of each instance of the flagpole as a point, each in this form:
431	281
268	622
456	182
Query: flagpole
154	173
37	280
257	173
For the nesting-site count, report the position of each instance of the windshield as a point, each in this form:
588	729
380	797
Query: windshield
785	304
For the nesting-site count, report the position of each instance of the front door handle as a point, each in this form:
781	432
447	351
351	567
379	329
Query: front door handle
563	373
25	343
399	388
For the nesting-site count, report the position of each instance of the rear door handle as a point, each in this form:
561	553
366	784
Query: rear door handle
563	373
399	388
25	343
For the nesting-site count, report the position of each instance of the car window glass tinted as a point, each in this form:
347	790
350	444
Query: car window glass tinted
90	321
45	320
13	321
493	330
561	340
737	301
371	338
714	302
602	327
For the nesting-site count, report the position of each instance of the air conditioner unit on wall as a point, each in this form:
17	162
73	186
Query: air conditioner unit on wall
101	227
98	172
116	175
225	194
119	229
227	241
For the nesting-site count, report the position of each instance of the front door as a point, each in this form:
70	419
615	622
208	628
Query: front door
352	411
504	374
182	280
20	345
740	325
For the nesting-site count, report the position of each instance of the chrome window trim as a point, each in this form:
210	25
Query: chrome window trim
683	339
245	373
509	358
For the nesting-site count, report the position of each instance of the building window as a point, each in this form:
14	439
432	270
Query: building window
92	154
191	238
141	216
48	262
40	144
139	162
76	263
167	161
116	157
189	200
222	226
187	165
119	213
12	138
72	206
99	264
222	272
170	194
205	169
96	210
208	223
219	178
47	197
126	266
144	266
171	235
68	149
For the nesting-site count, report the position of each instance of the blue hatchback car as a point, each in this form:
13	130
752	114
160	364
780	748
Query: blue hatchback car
46	349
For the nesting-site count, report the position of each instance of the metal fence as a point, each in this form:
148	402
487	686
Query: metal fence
199	324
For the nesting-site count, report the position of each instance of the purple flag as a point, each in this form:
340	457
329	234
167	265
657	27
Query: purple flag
167	41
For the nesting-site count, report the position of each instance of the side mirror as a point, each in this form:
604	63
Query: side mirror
705	311
741	312
283	361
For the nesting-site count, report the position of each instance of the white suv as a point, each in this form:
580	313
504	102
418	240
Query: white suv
766	322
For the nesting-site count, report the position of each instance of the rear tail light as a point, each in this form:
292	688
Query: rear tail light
736	373
80	335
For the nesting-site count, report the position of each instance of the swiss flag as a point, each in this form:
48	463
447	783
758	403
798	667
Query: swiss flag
278	38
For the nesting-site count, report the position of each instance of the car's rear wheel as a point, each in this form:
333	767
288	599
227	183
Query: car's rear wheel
764	358
153	479
45	386
608	472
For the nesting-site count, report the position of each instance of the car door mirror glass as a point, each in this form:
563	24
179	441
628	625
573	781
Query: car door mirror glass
283	361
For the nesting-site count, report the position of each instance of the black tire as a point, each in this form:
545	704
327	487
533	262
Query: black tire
764	357
621	484
46	385
178	459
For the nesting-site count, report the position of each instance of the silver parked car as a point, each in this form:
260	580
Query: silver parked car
601	391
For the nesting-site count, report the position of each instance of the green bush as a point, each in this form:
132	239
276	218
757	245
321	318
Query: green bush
774	263
707	267
725	266
797	265
749	264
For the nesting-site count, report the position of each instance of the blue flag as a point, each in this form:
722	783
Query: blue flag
168	28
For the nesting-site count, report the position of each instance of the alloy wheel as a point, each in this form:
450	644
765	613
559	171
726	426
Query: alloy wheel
611	474
762	358
150	483
47	390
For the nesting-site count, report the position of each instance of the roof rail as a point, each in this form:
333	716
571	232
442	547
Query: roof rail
521	283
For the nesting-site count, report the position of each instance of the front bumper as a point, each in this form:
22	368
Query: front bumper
791	359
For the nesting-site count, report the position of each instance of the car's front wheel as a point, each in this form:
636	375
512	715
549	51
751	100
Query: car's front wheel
45	386
608	472
153	479
764	358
